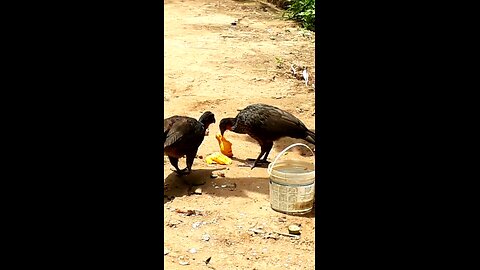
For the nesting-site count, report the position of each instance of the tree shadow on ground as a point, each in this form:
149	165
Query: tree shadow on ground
176	186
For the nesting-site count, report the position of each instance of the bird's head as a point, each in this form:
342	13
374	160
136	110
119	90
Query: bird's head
226	124
207	118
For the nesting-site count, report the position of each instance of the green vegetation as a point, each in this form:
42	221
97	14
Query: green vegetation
302	11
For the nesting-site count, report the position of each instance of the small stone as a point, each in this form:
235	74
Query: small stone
213	175
193	250
257	230
196	224
294	229
165	251
183	261
205	237
198	190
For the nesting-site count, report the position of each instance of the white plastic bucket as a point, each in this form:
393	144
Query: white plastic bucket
292	184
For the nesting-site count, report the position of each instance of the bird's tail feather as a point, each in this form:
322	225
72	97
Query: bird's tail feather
310	137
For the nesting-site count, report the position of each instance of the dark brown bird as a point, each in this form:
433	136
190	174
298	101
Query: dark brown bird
182	137
266	124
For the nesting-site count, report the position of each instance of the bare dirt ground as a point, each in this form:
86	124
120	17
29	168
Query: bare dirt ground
213	65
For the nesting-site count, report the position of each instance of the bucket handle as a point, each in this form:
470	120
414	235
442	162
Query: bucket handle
270	168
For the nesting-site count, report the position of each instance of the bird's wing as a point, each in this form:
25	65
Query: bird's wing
171	138
168	123
275	119
184	131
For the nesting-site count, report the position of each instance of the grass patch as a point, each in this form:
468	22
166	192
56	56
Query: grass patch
302	11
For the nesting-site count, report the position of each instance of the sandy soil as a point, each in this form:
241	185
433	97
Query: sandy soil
213	65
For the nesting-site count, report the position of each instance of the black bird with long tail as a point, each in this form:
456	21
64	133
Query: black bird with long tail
266	124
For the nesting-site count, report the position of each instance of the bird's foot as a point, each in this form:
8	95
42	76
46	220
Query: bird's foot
181	172
260	163
264	162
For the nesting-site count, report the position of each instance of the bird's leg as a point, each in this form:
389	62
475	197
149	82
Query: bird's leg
174	162
268	147
258	158
190	158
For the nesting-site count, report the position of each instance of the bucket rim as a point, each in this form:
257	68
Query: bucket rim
271	165
273	168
